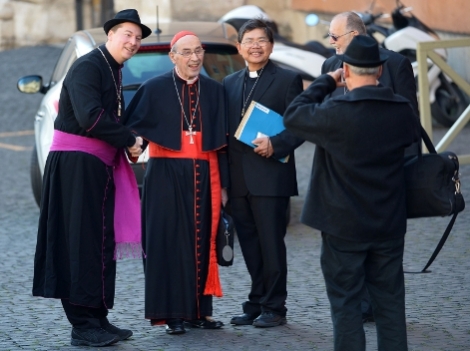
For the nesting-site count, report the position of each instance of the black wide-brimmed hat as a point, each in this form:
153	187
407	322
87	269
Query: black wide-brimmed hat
129	15
363	51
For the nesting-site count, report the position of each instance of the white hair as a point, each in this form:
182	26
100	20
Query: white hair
364	71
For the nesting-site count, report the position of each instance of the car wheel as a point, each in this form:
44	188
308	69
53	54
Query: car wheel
449	105
36	177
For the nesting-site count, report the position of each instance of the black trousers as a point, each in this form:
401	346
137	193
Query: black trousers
84	317
366	305
348	267
261	226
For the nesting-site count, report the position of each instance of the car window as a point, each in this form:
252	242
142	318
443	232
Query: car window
218	62
67	57
143	66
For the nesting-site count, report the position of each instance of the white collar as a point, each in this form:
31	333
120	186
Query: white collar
255	74
189	82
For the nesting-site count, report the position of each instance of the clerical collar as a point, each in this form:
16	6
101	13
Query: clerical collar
189	82
254	74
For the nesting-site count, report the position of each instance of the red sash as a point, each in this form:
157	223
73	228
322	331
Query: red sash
194	151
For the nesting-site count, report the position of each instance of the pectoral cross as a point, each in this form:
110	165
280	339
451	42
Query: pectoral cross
190	133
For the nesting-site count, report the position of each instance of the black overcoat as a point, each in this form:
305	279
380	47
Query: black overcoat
357	189
397	74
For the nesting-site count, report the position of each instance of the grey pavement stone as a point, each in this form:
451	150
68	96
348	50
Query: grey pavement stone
438	306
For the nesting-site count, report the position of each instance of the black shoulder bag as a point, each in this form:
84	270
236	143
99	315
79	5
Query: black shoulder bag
433	188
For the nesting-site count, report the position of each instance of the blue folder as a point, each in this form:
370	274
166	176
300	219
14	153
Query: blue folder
259	121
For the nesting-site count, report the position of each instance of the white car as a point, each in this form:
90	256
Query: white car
306	60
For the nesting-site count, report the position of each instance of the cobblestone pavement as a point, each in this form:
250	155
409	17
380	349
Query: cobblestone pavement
438	305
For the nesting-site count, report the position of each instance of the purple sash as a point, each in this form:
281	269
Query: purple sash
127	220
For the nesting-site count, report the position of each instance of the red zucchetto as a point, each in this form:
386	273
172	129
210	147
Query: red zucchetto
179	35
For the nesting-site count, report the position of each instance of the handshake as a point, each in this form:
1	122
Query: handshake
136	149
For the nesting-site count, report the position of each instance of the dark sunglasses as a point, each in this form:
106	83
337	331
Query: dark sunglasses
336	37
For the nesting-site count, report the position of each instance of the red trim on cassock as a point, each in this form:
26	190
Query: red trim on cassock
194	151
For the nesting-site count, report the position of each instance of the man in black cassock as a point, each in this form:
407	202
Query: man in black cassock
181	115
79	230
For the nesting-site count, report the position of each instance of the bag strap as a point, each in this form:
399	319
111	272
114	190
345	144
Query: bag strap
438	247
432	150
441	242
427	141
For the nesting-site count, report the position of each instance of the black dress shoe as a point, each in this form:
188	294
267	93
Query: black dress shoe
269	319
244	319
205	323
96	337
175	327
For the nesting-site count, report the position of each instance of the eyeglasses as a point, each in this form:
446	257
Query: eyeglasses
250	43
189	53
336	37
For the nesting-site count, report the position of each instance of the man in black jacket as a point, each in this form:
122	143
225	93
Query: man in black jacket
397	74
356	195
260	185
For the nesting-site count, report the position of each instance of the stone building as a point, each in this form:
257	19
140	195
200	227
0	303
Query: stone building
34	22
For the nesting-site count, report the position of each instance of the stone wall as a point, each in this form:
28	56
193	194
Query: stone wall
33	22
36	22
197	10
148	9
7	33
